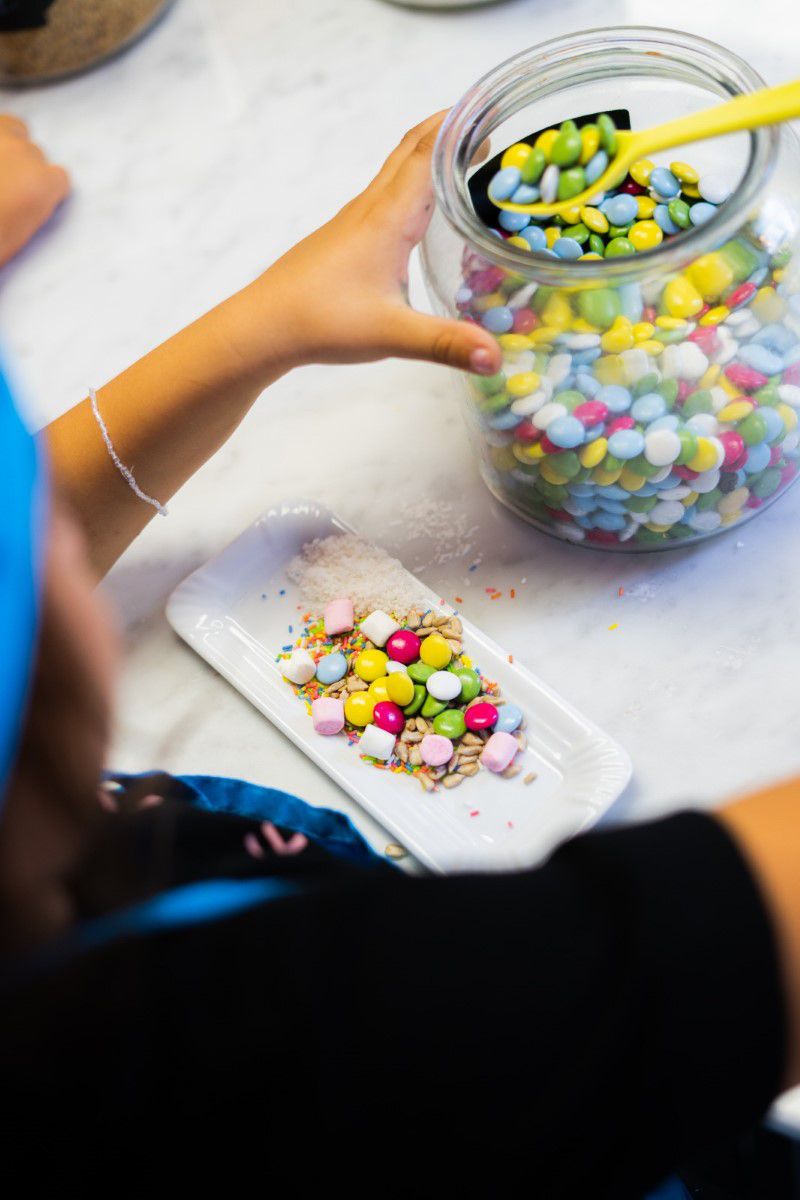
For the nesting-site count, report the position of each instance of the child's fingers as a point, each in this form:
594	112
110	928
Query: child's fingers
452	343
429	128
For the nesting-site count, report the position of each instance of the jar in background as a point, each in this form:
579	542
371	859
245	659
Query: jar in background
72	36
697	340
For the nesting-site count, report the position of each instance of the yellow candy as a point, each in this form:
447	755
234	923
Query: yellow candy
571	215
643	331
682	298
544	335
435	651
552	233
548	472
733	501
711	376
715	316
630	480
590	143
581	326
651	348
516	156
370	664
610	369
691	190
522	384
684	172
557	311
514	343
591	254
544	142
640	171
519	242
728	387
645	206
768	306
502	458
736	411
711	275
788	416
400	688
691	499
705	458
732	518
657	528
593	219
527	454
358	708
618	338
779	275
481	303
645	235
593	454
671	323
606	478
379	689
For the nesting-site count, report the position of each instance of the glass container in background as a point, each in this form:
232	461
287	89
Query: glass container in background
694	317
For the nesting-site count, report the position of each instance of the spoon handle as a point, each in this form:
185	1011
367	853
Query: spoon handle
769	106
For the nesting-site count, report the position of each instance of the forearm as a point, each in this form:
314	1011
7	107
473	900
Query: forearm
166	415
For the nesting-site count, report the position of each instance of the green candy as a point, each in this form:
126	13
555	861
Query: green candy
740	258
432	707
535	164
566	148
608	134
596	244
619	247
450	724
492	404
768	395
647	535
578	232
679	211
708	500
646	384
612	463
489	384
640	466
420	672
753	429
615	231
567	463
688	447
781	259
642	504
420	692
570	182
668	337
668	388
680	531
571	398
699	402
767	482
554	493
470	683
599	306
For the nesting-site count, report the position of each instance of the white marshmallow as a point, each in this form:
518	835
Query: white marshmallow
377	743
378	627
298	668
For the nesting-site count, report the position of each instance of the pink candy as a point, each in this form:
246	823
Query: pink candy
734	446
480	716
403	646
389	716
591	413
499	751
524	320
435	749
339	616
327	715
619	423
745	377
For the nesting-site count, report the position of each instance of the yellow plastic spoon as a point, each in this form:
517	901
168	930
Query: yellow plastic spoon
769	106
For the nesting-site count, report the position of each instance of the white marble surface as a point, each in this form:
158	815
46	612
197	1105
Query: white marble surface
215	143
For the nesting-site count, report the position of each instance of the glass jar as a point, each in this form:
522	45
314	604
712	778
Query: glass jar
705	329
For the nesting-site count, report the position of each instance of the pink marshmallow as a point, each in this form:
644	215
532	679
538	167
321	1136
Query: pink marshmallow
499	751
339	616
327	715
435	749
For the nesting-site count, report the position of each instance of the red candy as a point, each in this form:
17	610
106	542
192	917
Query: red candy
705	337
745	377
387	715
403	646
604	537
620	423
685	473
741	295
792	374
632	187
590	413
526	431
480	716
685	389
775	455
734	448
524	320
550	447
487	281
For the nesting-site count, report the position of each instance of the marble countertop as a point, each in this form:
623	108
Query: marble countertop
215	143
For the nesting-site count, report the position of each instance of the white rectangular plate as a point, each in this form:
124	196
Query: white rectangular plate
489	823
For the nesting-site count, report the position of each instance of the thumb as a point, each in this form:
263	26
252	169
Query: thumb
452	343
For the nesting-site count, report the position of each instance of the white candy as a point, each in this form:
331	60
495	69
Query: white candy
715	187
573	533
396	668
790	394
667	512
376	742
706	424
559	367
719	449
521	297
707	481
719	398
527	405
548	185
636	364
443	685
705	522
548	413
298	668
662	447
675	493
686	361
378	627
659	475
580	341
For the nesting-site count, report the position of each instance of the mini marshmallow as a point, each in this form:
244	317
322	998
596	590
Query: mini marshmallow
443	685
436	750
298	668
499	751
378	627
328	715
377	743
338	616
392	667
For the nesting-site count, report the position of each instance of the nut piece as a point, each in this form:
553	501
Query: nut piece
355	684
413	620
511	770
426	782
415	757
529	778
468	768
451	781
422	725
395	851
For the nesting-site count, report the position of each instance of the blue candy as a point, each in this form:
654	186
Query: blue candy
581	489
566	432
702	212
332	668
505	183
761	359
664	183
610	491
620	210
613	522
535	237
525	194
509	719
668	421
664	221
772	420
648	408
595	167
757	459
630	298
612	506
616	398
567	247
504	420
625	443
498	320
513	222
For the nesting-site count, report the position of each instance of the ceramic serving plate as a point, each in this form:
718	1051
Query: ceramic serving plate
235	612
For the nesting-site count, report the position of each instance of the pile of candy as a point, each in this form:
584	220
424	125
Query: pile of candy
405	692
641	413
651	204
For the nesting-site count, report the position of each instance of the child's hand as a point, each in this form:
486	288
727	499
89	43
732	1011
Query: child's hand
30	188
345	285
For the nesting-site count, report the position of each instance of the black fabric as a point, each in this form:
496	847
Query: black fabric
23	14
575	1031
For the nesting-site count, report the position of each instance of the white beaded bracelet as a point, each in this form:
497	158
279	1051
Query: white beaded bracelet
124	471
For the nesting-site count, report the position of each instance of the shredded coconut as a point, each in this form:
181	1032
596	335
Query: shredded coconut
344	565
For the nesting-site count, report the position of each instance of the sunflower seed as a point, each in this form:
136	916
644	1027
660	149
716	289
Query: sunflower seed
408	736
422	725
395	851
522	741
451	781
529	778
426	782
511	770
402	752
413	620
471	739
468	768
414	757
354	684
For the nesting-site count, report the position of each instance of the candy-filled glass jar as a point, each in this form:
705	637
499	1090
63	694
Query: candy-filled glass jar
690	350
